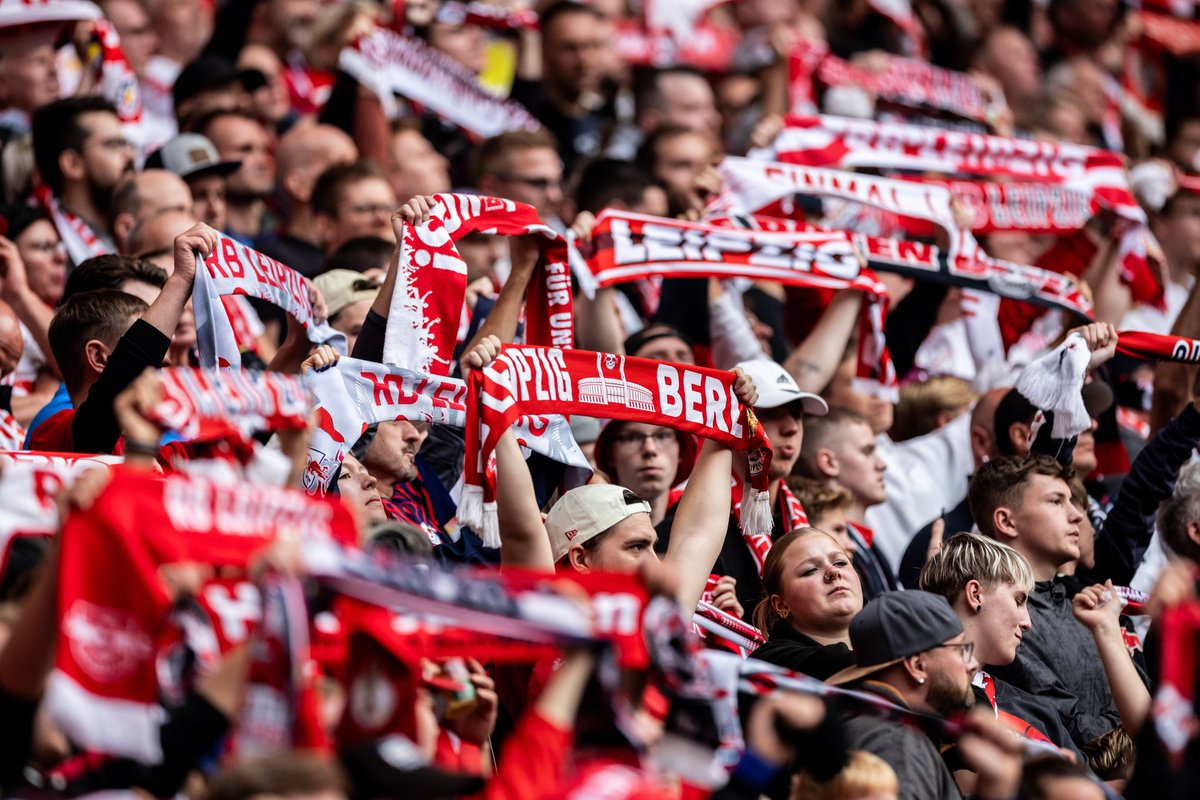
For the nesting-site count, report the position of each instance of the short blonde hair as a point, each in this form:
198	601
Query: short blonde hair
922	403
816	498
968	556
864	773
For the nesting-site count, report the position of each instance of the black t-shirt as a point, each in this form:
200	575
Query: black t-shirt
788	647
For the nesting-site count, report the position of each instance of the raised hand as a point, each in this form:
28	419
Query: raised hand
322	358
481	354
744	388
199	238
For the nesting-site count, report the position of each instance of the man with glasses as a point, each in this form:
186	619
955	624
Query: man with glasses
646	459
781	410
911	651
352	200
523	166
81	153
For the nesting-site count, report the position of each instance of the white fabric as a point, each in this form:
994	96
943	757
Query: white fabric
733	339
924	476
119	727
1154	320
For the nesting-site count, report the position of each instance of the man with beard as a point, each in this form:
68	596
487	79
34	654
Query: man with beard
241	137
911	651
81	153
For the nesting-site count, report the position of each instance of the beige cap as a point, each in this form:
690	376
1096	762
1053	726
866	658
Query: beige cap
588	511
344	287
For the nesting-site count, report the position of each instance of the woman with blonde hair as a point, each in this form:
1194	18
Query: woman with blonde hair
866	776
812	593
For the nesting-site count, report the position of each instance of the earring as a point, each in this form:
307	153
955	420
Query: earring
784	614
920	680
979	608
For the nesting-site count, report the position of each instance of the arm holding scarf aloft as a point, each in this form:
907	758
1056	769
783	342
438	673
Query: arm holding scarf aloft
1098	608
502	320
814	361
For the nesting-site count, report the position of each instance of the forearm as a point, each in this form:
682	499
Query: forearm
524	543
502	320
816	359
1175	383
733	340
597	326
36	316
1129	693
1111	299
701	520
166	309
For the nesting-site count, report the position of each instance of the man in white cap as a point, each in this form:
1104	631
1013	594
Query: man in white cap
781	408
194	158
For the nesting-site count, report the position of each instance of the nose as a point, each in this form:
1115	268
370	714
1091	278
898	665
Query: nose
1075	517
1026	623
368	482
880	464
972	665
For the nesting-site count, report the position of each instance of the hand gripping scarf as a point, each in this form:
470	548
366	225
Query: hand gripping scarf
627	246
525	380
390	64
112	605
428	300
353	394
849	143
234	269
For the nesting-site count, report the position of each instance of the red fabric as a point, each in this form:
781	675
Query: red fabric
54	435
1069	255
533	763
454	754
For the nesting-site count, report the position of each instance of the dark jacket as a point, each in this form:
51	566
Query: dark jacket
913	755
789	648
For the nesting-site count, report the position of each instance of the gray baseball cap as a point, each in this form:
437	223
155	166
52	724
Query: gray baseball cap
190	155
894	626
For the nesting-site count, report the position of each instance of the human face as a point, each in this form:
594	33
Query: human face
357	488
28	77
392	453
183	27
1087	540
622	548
45	260
466	44
365	209
834	523
1084	458
646	458
1184	148
350	321
784	426
689	103
679	159
208	199
842	394
1179	232
246	140
950	675
107	155
294	19
1070	788
575	49
1000	625
414	167
269	102
534	176
667	348
860	469
819	592
1047	525
138	38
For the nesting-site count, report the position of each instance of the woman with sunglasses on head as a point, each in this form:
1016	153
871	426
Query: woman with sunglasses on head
811	594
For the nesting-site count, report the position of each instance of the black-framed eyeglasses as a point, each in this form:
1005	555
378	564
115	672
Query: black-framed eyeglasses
966	649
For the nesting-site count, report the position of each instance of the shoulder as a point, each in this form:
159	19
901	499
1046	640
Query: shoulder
806	656
54	434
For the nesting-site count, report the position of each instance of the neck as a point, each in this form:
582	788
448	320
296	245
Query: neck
830	637
773	493
1043	569
245	215
385	485
658	506
303	225
566	101
76	199
856	511
79	394
1180	268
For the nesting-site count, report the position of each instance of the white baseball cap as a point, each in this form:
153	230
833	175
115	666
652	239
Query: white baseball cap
589	511
777	388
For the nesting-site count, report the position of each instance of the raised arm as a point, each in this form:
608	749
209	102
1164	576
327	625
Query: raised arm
501	322
1099	609
702	518
816	359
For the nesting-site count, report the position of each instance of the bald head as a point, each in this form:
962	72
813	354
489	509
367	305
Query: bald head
142	195
154	239
305	152
983	426
12	344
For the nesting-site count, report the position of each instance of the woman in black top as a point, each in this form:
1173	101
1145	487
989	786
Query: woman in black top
812	593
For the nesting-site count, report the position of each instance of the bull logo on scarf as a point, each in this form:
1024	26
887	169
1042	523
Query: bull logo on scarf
107	643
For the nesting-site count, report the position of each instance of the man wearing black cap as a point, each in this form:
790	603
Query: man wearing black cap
911	651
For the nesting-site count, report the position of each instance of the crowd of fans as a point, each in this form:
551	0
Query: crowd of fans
978	579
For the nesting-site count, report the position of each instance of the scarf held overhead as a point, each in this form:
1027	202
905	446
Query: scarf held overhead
530	380
232	268
431	285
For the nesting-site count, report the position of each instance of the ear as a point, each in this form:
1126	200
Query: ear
122	225
780	607
70	164
325	227
1004	523
1018	434
577	558
983	442
96	353
973	594
1193	531
298	185
917	668
827	463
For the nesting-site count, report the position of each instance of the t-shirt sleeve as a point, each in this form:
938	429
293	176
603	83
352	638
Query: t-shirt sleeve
533	762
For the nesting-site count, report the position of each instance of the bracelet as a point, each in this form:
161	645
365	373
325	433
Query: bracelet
136	448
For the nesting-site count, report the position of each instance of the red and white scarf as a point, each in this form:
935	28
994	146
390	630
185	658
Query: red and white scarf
907	82
1175	703
209	404
77	236
112	604
431	285
486	15
626	246
531	380
1158	347
112	76
850	143
232	268
12	435
391	64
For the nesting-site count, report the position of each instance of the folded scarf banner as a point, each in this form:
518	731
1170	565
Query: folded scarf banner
625	247
353	394
907	82
201	403
828	141
12	435
532	380
390	64
431	285
232	268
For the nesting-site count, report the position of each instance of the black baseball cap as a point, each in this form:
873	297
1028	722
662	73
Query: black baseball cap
894	626
211	72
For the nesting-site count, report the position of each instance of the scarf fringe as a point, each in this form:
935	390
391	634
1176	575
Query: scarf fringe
756	512
1054	382
470	507
491	526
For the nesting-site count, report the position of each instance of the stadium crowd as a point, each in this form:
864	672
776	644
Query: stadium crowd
624	398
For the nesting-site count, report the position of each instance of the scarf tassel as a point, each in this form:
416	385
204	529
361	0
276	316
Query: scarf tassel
756	512
1054	382
470	507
